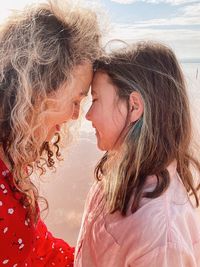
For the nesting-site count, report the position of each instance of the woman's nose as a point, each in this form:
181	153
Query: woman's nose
75	114
88	115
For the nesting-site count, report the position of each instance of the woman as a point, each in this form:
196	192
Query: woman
46	56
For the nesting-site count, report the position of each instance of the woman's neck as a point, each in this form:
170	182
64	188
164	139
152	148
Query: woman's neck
5	159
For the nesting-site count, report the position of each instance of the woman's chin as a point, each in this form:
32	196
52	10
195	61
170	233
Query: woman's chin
51	135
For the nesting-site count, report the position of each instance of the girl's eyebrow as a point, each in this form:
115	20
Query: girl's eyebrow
83	93
93	92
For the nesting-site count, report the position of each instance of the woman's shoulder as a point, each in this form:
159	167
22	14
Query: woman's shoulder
17	233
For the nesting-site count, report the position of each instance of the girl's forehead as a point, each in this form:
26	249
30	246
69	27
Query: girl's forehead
93	90
99	79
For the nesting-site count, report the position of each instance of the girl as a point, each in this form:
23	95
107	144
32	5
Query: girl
139	212
46	56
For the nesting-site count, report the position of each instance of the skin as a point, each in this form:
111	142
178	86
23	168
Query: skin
64	104
110	115
107	113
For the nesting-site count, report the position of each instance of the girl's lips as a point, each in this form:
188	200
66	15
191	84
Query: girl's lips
96	132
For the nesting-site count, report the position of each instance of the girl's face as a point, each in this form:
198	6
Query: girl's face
107	113
64	104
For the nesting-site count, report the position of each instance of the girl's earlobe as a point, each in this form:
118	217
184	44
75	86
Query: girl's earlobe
132	108
136	106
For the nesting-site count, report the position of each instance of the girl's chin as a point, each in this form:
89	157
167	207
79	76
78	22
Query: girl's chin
100	143
101	146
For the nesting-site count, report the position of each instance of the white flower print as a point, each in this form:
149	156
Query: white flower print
2	186
4	173
10	211
61	250
20	241
5	230
21	246
5	261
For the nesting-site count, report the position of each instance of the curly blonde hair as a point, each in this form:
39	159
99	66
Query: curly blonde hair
39	47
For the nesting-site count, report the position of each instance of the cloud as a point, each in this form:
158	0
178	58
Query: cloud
172	2
124	2
179	32
129	32
191	10
188	16
185	42
177	21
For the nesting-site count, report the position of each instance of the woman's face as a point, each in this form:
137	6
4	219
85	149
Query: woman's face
107	113
64	104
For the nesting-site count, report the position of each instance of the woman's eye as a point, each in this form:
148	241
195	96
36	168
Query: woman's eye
76	103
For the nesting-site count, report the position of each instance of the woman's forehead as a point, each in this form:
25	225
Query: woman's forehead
100	79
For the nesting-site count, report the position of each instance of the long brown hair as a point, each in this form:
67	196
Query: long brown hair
163	134
39	47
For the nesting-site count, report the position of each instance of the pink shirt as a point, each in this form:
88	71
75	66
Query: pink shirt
164	232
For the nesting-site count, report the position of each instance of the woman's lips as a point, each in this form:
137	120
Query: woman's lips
57	127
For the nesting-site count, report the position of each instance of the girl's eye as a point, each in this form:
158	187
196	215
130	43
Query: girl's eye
94	100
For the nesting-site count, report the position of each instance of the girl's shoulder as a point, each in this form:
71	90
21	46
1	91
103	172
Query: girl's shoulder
94	195
170	218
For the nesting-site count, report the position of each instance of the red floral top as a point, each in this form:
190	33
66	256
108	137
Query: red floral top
21	242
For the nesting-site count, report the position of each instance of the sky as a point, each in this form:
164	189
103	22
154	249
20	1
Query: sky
174	22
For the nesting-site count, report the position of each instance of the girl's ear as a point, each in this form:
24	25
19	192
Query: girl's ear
136	106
